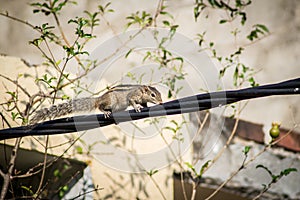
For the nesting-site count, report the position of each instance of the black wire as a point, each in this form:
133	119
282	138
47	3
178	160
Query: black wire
179	106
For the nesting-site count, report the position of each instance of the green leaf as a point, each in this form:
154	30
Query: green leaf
28	189
79	150
174	122
246	150
13	94
57	173
169	94
14	115
171	129
36	10
130	75
287	171
265	168
204	167
66	166
235	76
166	23
222	21
222	72
127	54
263	27
244	17
196	12
212	2
105	9
65	188
253	82
64	97
190	166
61	193
152	172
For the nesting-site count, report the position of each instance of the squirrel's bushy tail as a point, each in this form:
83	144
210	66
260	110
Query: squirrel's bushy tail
76	105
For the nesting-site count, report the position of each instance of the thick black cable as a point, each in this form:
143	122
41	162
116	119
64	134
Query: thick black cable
179	106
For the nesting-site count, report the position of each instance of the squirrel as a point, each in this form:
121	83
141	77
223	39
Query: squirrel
115	99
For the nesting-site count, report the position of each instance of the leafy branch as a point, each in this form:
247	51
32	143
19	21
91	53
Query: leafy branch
274	178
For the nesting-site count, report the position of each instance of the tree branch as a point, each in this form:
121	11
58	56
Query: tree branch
8	176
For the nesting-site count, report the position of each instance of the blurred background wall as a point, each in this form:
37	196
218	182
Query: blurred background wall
276	57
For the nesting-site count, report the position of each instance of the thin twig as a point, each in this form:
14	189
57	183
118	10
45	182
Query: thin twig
157	186
201	127
26	23
158	10
49	162
87	192
17	84
194	183
44	168
9	175
2	174
248	162
225	146
60	29
5	120
18	20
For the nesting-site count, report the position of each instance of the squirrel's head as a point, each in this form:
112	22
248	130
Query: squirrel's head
152	95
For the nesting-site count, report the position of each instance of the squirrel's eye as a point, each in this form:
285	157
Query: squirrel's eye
152	95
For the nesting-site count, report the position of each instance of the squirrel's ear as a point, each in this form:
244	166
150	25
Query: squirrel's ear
145	88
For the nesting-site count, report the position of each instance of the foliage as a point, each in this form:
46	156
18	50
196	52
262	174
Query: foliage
274	178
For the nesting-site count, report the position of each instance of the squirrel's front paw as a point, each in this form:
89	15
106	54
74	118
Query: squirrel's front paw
138	108
106	114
